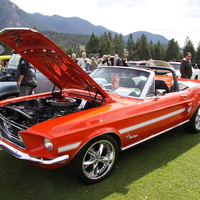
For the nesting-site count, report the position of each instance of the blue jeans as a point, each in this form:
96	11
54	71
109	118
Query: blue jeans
87	67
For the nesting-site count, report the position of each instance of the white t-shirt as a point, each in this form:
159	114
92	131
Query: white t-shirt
82	62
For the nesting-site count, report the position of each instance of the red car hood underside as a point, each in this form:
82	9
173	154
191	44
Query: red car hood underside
49	59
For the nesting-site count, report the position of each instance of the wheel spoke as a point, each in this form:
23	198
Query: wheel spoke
88	162
108	157
95	169
101	148
91	152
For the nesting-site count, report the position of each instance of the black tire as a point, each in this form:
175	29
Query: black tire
193	126
96	160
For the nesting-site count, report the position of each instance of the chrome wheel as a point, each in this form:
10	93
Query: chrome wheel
98	159
193	126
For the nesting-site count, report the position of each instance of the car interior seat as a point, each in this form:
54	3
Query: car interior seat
160	84
127	82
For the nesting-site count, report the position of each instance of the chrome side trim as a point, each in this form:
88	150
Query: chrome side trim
23	156
149	122
69	147
152	136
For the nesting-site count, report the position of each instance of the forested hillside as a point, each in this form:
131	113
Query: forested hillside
68	41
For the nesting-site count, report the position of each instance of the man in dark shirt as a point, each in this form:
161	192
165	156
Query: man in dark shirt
185	68
26	78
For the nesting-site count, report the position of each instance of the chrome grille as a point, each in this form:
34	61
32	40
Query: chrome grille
9	131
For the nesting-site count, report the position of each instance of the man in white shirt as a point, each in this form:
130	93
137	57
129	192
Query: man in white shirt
84	62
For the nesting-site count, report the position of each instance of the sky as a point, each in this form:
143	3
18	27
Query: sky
174	19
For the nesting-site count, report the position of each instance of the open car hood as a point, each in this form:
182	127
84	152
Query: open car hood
49	59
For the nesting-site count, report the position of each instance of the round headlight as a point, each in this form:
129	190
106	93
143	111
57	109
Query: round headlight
48	144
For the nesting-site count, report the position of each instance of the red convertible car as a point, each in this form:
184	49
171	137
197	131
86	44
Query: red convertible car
91	118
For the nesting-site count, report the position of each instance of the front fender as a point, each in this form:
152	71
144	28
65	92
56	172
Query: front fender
102	131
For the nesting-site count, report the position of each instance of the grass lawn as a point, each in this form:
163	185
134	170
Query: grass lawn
163	168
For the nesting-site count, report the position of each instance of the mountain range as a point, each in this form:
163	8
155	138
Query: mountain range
12	16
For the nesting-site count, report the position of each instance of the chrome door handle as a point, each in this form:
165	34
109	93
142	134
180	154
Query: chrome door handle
184	95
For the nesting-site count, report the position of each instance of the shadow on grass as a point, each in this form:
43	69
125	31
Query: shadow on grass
21	180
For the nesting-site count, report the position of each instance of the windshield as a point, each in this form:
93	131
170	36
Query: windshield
137	63
121	80
176	66
131	64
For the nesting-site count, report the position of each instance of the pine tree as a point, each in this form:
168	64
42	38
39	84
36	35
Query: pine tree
92	45
189	47
137	45
151	49
108	47
102	44
130	48
115	41
118	45
121	46
158	51
143	50
162	52
110	36
172	51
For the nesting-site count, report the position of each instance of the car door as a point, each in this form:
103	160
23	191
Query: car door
166	112
131	127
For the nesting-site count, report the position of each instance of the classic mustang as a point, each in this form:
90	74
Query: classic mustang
90	119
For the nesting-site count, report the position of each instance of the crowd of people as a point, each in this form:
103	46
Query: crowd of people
26	72
88	64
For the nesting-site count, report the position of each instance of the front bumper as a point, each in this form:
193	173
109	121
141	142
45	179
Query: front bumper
23	156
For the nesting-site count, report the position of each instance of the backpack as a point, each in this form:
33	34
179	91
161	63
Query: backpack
119	62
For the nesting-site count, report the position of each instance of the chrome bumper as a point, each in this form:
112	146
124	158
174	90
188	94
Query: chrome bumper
23	156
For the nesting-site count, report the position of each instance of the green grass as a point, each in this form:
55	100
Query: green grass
163	168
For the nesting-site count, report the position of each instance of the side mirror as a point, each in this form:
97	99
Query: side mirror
159	93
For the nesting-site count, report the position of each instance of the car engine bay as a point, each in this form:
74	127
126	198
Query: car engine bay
27	113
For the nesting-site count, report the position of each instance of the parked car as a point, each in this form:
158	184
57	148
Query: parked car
176	66
4	60
150	62
93	117
8	80
136	63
